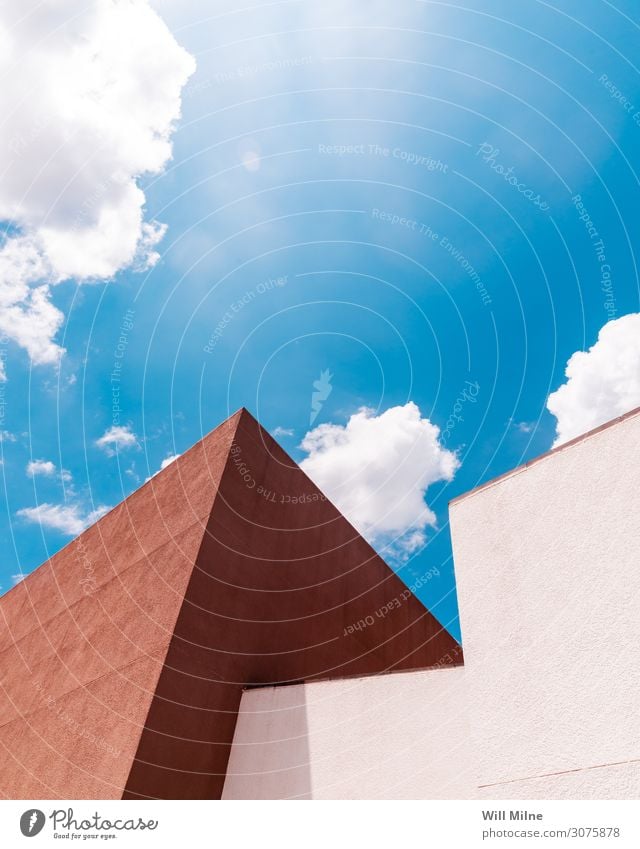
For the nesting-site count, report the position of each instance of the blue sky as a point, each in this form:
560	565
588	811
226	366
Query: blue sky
387	193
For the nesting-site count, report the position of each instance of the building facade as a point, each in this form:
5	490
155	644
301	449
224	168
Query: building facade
547	562
213	637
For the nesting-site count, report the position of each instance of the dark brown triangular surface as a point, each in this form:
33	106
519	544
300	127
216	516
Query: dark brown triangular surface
123	658
284	589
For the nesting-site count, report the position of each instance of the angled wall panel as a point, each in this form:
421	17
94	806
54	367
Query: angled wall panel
549	587
83	638
280	577
123	658
400	736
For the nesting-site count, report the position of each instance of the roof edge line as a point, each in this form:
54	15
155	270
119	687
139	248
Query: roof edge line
534	460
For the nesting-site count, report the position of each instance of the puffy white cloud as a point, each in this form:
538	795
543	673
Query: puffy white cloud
602	383
95	90
69	519
47	468
377	470
117	438
41	467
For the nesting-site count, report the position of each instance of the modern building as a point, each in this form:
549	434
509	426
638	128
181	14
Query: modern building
226	633
125	656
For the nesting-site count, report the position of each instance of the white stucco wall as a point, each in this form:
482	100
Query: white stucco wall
617	781
548	573
401	735
547	706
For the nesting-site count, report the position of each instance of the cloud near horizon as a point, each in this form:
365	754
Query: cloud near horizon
163	465
602	383
377	469
95	91
69	519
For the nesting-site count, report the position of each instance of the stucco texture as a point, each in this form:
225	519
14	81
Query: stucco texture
549	589
400	736
123	658
547	703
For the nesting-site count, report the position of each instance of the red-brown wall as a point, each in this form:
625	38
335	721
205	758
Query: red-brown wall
228	569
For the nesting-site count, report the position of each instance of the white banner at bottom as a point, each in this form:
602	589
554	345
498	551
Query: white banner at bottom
322	824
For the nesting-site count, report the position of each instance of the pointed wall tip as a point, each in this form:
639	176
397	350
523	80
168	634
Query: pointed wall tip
239	413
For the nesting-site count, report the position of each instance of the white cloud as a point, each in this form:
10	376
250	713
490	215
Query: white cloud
282	431
521	427
47	468
377	470
524	427
41	467
95	90
69	519
602	383
163	465
17	578
168	460
116	438
131	472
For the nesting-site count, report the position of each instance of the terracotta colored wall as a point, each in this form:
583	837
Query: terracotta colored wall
275	585
122	663
84	637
